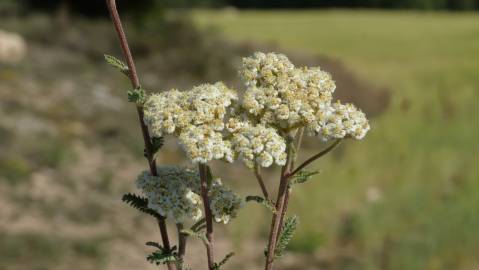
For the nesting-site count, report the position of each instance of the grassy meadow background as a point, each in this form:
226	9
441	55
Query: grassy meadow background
404	198
409	192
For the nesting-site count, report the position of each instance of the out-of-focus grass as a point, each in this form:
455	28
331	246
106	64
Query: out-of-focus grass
411	186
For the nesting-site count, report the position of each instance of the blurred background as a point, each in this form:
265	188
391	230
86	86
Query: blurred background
406	197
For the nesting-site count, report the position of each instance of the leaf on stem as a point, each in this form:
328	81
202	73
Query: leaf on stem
289	227
199	225
209	176
137	96
117	63
198	235
302	177
262	201
228	256
157	143
162	256
154	244
139	203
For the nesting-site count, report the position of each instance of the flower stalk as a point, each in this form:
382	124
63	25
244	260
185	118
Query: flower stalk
135	81
204	186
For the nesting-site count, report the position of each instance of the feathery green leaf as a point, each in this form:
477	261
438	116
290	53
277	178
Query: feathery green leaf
117	63
198	235
262	201
302	177
289	227
228	256
139	203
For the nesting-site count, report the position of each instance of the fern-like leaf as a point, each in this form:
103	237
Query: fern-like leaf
157	143
137	96
139	203
302	177
261	201
117	63
161	257
198	235
228	256
289	227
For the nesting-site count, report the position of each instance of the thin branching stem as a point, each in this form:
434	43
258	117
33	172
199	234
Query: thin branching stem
275	221
313	158
135	81
297	148
257	173
208	215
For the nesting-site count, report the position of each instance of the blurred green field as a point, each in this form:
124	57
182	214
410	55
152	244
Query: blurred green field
407	197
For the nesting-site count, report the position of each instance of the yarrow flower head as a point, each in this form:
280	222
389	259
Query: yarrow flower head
282	95
340	121
175	194
171	194
257	144
224	203
196	117
211	122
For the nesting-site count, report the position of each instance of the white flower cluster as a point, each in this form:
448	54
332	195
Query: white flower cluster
224	203
174	194
212	123
282	95
196	117
257	144
339	121
171	194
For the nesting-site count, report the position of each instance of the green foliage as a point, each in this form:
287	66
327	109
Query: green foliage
198	235
199	225
435	163
217	266
261	201
209	175
157	143
139	203
137	96
162	255
117	63
289	227
302	177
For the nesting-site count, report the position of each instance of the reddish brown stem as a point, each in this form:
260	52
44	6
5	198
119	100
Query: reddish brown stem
208	215
257	173
275	221
313	158
297	148
144	129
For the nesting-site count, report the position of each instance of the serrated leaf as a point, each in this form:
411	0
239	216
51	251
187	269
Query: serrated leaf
199	225
228	256
157	143
117	63
161	257
154	244
209	176
302	177
289	227
137	96
198	235
139	203
261	201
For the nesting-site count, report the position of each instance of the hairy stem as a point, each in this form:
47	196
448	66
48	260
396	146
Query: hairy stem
257	173
208	216
275	221
135	81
